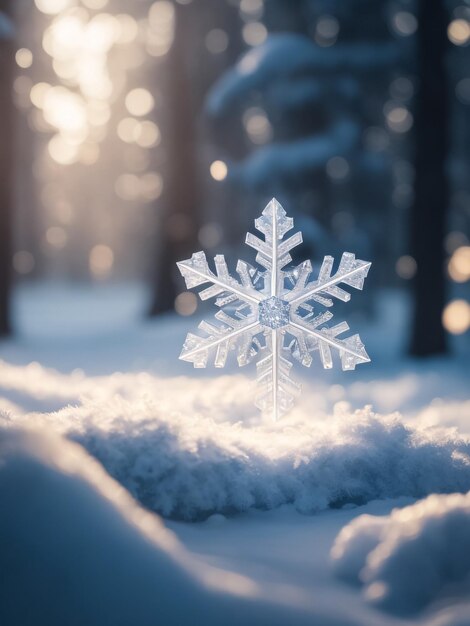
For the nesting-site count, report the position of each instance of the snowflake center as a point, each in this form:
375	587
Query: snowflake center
273	312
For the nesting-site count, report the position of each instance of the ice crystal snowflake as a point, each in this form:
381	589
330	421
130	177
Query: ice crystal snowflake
271	311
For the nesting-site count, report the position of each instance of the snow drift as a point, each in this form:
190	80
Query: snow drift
186	465
415	556
76	549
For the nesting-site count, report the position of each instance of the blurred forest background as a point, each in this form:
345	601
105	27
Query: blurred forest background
135	133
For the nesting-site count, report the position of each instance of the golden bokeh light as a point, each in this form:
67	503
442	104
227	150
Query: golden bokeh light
459	265
139	102
127	187
101	261
151	186
458	32
127	28
161	29
254	33
399	119
56	237
147	134
456	317
38	94
257	125
24	58
95	5
61	151
186	303
127	129
52	7
218	170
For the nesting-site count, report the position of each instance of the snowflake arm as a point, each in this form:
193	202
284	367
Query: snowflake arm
221	338
351	272
277	390
351	350
196	272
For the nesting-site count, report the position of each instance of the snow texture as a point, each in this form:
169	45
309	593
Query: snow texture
185	465
416	555
273	311
76	550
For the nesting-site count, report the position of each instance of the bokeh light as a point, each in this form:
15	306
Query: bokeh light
101	261
459	32
24	58
186	303
218	170
459	265
139	102
456	317
406	267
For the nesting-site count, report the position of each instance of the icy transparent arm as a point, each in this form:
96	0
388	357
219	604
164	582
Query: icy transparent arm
310	337
273	252
196	271
351	272
276	389
220	339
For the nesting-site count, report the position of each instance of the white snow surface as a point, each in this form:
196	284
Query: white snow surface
190	444
181	462
76	549
415	556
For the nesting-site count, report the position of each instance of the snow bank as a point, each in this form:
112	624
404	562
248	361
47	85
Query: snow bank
186	465
414	556
76	549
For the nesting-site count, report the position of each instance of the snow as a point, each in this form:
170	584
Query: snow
191	445
185	465
69	530
414	556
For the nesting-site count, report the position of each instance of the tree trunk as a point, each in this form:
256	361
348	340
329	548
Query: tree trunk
179	226
6	171
431	185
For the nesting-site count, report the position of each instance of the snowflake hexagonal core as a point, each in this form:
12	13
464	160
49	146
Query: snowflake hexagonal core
273	312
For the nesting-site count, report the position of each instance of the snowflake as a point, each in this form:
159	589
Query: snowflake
271	312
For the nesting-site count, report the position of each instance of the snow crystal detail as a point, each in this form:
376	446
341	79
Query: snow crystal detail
272	311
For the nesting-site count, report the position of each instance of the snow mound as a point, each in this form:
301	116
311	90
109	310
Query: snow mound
70	533
185	465
412	557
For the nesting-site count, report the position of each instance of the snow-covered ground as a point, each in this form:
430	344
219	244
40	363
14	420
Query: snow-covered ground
280	505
